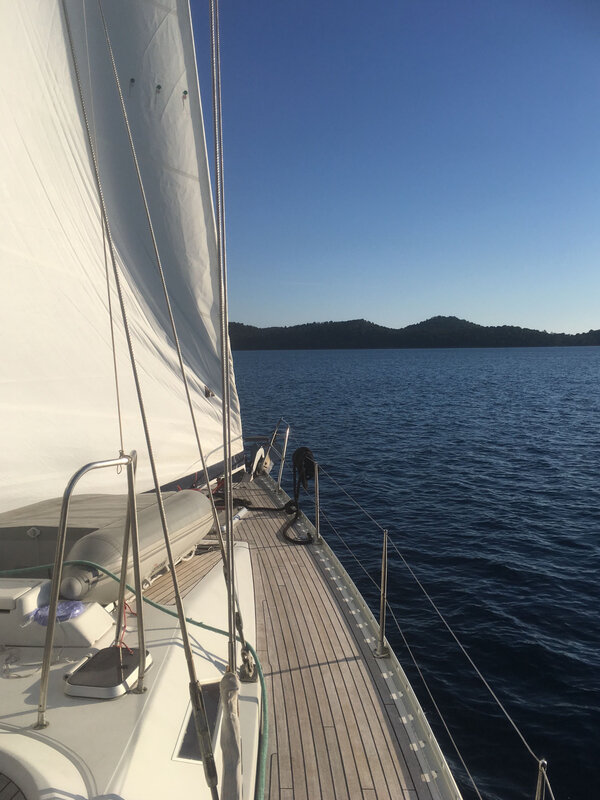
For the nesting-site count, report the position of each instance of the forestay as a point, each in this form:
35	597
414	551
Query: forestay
58	402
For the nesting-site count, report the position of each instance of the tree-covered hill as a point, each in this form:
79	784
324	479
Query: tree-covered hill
435	332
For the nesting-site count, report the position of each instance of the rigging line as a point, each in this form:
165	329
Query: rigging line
159	266
435	705
185	638
106	267
195	690
176	339
348	495
111	246
467	656
112	337
224	321
414	660
439	613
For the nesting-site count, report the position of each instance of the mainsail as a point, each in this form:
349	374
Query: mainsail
58	400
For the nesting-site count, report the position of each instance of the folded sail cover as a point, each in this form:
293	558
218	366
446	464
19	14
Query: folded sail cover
58	399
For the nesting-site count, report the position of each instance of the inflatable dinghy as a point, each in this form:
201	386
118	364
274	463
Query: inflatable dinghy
189	519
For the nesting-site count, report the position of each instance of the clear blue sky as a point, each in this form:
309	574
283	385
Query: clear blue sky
394	160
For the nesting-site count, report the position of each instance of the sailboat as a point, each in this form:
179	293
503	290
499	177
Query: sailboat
149	647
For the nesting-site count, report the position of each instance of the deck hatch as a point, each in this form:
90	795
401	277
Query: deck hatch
188	749
109	673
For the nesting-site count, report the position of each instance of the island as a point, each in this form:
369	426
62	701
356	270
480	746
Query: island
437	332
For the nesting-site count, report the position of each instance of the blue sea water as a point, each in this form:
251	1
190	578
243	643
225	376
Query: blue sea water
484	466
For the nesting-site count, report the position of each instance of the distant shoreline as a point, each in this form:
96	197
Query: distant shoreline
437	333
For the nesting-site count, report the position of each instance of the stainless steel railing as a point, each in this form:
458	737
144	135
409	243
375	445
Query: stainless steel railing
543	787
282	461
130	462
271	446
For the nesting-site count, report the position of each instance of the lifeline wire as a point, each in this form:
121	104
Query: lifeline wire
471	662
421	675
159	265
224	321
446	624
454	636
186	644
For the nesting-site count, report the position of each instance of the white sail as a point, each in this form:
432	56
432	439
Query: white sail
58	399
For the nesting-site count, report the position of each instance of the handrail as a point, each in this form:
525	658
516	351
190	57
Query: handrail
273	437
280	421
282	461
133	530
122	461
271	446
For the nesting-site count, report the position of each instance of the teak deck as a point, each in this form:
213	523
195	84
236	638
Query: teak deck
334	727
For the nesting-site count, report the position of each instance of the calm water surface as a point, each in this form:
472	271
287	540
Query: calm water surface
484	465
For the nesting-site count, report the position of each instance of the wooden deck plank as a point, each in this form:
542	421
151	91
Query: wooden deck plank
279	743
342	687
315	653
313	748
408	765
408	759
328	696
188	574
344	712
316	762
334	729
296	711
